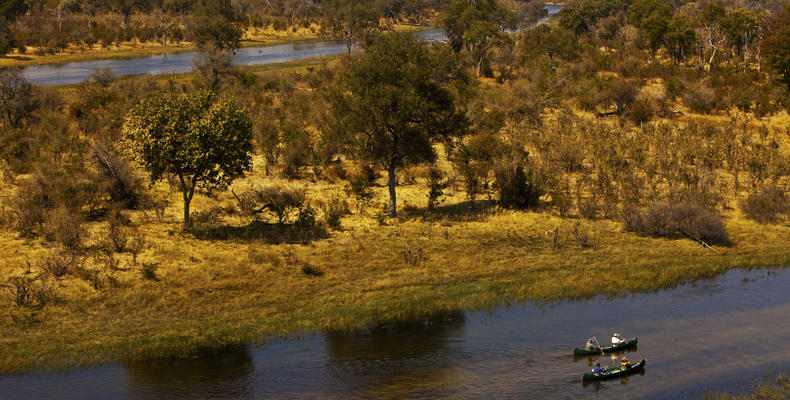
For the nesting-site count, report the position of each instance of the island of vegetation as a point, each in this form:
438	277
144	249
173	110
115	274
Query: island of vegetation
619	146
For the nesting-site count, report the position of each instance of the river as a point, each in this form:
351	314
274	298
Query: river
75	72
719	334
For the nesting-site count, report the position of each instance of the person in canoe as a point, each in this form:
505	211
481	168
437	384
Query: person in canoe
590	345
624	363
616	339
597	370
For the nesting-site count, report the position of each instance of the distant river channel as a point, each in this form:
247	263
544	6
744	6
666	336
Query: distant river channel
75	72
720	334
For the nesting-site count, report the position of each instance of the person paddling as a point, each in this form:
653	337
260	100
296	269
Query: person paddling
624	363
598	370
590	345
616	340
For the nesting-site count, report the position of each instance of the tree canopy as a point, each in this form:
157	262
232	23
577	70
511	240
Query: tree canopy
393	103
204	142
477	26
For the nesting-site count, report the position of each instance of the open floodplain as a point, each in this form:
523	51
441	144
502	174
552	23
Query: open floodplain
717	334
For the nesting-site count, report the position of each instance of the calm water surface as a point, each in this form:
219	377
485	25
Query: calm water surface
719	334
64	74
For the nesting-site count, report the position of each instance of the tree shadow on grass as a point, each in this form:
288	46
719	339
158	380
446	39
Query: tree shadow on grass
259	230
459	212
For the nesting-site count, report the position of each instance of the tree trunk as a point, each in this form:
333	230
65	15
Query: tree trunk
391	186
188	193
187	200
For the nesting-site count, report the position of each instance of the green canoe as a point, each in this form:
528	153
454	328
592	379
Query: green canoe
614	372
580	351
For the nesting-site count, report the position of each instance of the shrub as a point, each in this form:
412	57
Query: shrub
102	76
44	293
58	263
766	205
335	209
149	271
64	226
676	219
281	201
311	270
21	290
518	188
136	245
437	182
116	176
359	187
699	98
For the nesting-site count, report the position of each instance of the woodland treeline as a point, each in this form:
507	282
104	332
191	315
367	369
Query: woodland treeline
594	114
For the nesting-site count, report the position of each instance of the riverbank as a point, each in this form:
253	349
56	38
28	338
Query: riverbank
254	38
236	282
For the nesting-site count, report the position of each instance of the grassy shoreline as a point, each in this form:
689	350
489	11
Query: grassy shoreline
211	294
127	51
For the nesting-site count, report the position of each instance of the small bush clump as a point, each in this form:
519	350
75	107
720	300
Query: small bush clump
669	219
766	205
334	210
59	263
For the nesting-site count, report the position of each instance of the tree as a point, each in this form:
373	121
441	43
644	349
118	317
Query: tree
544	39
777	46
18	98
392	103
350	20
741	27
7	41
10	9
204	142
679	37
473	160
477	26
709	20
533	12
215	33
652	17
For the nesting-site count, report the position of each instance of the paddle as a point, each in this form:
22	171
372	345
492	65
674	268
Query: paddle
600	348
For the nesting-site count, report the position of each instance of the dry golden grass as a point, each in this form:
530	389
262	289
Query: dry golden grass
776	388
244	287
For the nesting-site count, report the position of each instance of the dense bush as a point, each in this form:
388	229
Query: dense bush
518	188
671	219
766	205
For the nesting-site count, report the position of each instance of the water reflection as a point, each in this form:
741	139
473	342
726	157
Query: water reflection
225	374
718	334
396	360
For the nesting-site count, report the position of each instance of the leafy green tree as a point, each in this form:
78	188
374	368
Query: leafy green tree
548	40
777	46
576	18
18	98
204	142
350	20
477	26
392	103
741	27
652	17
680	37
10	9
7	41
215	32
709	20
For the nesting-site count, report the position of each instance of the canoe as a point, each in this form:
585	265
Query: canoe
614	372
581	351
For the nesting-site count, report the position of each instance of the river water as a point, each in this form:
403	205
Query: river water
717	334
75	72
